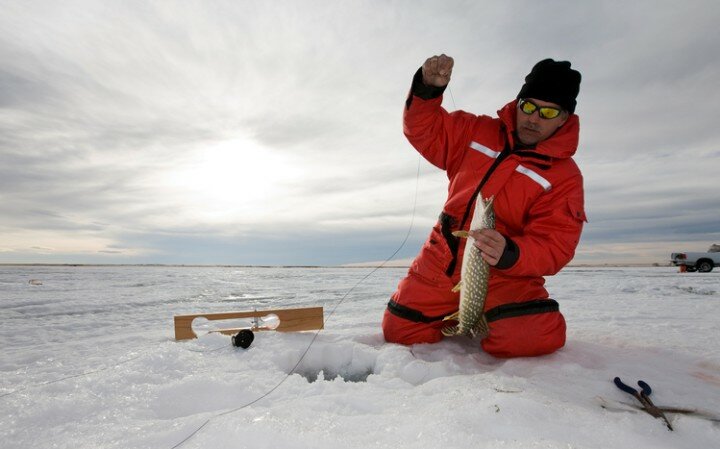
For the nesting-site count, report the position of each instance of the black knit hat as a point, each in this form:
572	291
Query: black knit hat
553	81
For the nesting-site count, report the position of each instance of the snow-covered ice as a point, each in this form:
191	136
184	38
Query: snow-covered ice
89	361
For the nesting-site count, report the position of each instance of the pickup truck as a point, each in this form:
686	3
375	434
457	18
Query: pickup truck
702	262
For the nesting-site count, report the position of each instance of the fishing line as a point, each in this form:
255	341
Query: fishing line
451	97
315	335
332	311
87	373
305	352
73	376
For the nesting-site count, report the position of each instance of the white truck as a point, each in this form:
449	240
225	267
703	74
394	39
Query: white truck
702	262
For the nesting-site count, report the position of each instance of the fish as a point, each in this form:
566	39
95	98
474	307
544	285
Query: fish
474	278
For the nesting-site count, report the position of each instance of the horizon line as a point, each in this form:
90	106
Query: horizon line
351	265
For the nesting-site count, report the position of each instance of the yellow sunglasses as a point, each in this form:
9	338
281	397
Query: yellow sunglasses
546	112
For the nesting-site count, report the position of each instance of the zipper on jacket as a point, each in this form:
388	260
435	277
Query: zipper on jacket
455	244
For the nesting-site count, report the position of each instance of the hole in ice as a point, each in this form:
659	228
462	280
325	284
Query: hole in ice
314	375
331	361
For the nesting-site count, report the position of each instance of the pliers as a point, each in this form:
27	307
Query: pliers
644	397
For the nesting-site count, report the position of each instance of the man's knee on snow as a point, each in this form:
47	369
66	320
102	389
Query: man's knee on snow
406	332
526	336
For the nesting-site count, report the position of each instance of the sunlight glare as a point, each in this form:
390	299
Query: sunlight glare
233	178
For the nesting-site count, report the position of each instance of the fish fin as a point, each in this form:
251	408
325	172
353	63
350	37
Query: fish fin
457	287
461	234
481	329
449	331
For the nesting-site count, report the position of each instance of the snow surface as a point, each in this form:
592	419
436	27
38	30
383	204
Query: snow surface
89	361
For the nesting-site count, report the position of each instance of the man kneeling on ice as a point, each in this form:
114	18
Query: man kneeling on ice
519	166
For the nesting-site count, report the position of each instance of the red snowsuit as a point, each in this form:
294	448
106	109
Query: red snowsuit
538	207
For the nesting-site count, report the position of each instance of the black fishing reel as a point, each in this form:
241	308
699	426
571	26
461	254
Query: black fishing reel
243	339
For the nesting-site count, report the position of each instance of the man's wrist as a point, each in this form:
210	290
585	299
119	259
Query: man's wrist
510	255
420	89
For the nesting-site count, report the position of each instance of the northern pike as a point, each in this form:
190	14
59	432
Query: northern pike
474	278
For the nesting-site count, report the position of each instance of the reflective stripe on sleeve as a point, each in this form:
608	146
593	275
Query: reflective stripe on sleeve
484	150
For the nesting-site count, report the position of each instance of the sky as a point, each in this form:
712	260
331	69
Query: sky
270	132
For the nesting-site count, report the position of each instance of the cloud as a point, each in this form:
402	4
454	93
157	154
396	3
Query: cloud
277	131
111	116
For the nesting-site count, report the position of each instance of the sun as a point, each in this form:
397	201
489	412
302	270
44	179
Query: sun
232	178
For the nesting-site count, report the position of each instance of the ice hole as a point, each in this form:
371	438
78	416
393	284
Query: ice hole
347	361
314	375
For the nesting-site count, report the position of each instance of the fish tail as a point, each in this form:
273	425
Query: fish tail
482	329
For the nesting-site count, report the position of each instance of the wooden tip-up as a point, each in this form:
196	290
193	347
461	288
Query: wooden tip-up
291	320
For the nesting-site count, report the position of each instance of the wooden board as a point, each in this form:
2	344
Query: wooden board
291	320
